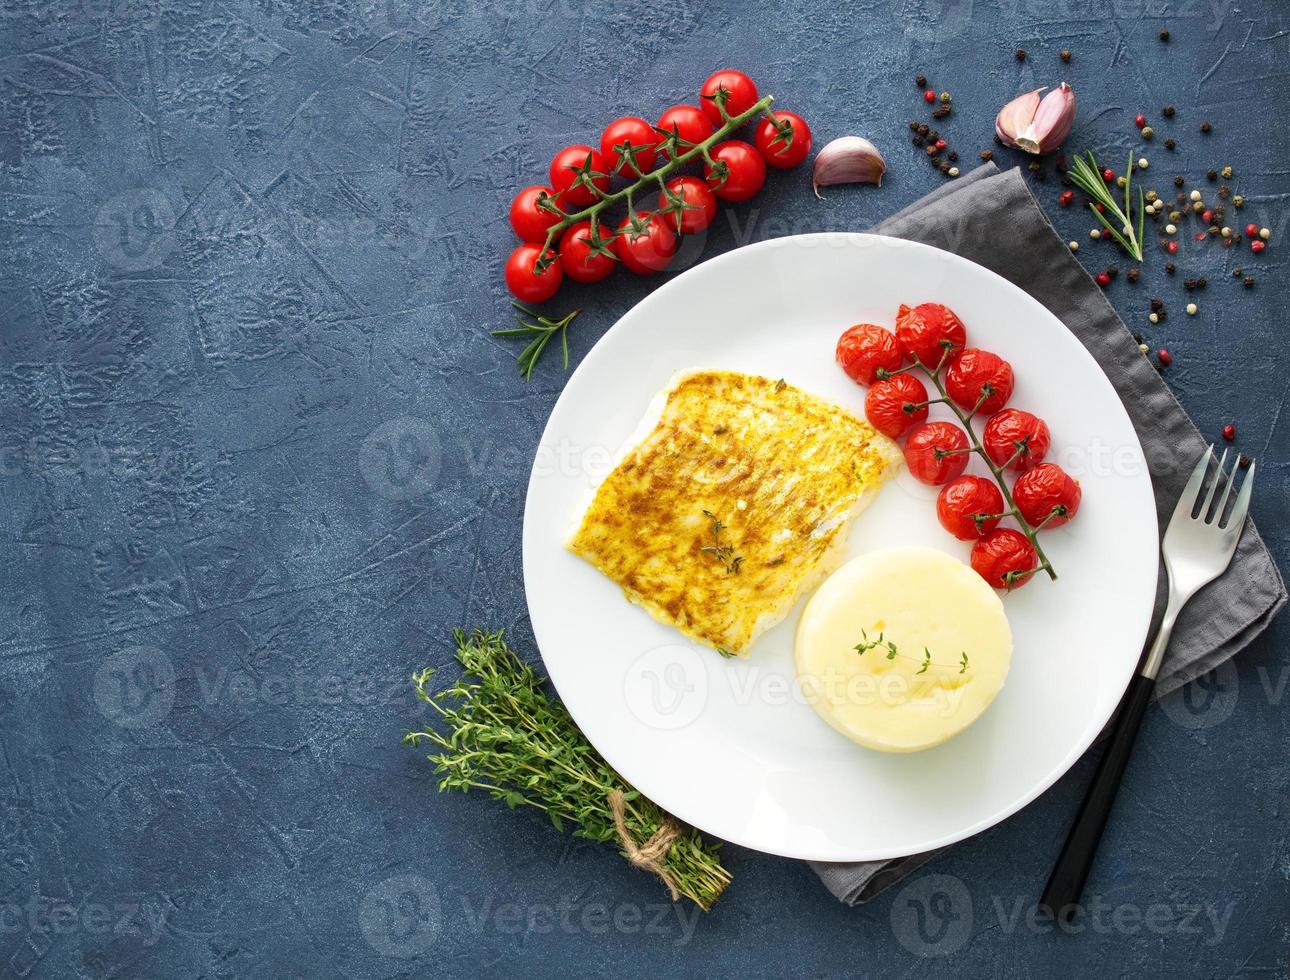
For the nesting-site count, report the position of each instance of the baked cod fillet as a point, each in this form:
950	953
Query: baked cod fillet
735	496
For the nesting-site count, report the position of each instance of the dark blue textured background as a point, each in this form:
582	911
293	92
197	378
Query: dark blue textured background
253	248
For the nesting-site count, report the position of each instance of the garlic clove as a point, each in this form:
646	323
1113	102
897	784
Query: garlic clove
1037	125
1016	116
847	160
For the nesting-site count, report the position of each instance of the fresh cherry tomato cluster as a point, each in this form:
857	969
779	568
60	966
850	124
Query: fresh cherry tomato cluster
561	226
975	383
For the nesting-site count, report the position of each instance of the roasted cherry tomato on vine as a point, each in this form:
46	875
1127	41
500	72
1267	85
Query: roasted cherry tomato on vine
530	221
1017	436
896	404
927	330
525	282
786	144
633	132
1005	558
580	261
865	349
564	171
969	507
700	205
648	249
740	94
979	379
936	452
1046	495
687	122
745	171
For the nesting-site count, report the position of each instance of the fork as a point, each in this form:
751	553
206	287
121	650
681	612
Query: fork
1197	548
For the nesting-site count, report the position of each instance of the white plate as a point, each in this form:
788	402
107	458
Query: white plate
729	746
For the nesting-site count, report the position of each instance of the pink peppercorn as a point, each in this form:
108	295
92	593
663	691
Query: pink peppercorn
1165	357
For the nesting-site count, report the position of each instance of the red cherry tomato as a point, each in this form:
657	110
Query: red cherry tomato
969	507
700	209
866	348
894	405
1018	436
740	93
687	122
745	171
525	282
926	331
647	250
528	219
977	375
936	452
630	131
1004	558
785	145
580	261
564	168
1046	494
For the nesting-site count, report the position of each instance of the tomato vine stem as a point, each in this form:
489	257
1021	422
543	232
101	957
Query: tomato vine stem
658	175
1032	533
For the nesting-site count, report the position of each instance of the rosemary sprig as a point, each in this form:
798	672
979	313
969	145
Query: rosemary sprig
1087	175
542	331
499	731
925	661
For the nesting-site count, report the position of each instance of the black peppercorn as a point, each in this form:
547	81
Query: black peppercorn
1224	191
1238	272
1248	281
1243	461
917	140
953	157
914	125
1168	112
1169	268
1133	274
1201	282
1021	54
932	150
1170	144
1157	305
945	167
1178	181
920	80
1164	36
940	112
1112	271
987	154
1065	54
1211	175
932	135
1189	284
1206	127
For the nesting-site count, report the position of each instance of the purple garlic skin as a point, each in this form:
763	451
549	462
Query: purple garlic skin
847	160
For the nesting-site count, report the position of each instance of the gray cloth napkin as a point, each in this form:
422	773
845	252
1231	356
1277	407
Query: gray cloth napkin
994	220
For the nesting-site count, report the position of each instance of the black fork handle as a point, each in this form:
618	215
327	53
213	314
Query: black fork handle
1066	884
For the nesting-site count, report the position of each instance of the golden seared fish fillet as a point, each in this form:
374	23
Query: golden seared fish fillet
734	497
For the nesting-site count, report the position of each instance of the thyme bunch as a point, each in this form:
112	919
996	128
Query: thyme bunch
498	731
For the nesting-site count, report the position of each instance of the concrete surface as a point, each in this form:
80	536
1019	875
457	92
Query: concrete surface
261	453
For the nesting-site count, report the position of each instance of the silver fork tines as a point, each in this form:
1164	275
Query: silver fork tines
1199	542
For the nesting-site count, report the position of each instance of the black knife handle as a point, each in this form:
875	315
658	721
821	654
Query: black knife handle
1066	884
